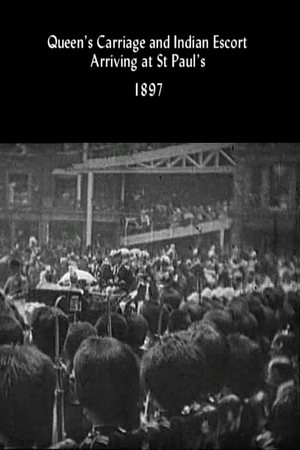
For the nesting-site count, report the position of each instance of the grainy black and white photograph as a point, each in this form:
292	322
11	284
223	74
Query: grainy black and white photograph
149	295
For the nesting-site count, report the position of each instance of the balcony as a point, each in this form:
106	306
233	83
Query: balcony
55	210
176	232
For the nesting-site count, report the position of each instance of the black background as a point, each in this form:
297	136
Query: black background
240	96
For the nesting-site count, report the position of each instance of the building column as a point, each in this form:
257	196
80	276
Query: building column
241	198
12	232
265	187
122	190
43	232
222	239
85	152
78	193
89	208
83	236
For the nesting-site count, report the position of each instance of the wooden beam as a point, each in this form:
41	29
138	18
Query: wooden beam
163	170
200	158
192	161
228	157
208	158
152	155
89	209
175	161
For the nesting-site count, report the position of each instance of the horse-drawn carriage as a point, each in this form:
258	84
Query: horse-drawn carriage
86	305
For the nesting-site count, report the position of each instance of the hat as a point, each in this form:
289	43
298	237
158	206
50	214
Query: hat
135	252
114	253
210	278
165	260
212	251
124	252
193	297
237	275
218	292
228	293
166	278
32	241
72	256
206	293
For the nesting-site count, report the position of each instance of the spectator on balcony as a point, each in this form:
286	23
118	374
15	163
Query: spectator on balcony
188	217
145	219
176	217
200	216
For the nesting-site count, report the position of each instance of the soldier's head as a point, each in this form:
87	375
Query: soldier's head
151	312
10	330
179	320
244	374
115	256
173	371
43	329
284	344
15	266
137	330
73	276
118	325
77	333
27	383
49	276
107	381
280	370
215	347
220	319
172	299
229	415
193	309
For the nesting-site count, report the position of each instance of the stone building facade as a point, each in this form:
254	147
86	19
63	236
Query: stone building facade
266	197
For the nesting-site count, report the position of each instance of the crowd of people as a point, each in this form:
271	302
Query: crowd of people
165	215
185	353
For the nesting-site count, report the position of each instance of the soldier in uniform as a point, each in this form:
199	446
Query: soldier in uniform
173	372
122	274
104	273
27	383
16	284
169	295
107	386
75	422
43	329
16	287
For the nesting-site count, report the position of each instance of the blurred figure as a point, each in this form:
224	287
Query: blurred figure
76	424
16	285
27	383
107	385
118	324
137	331
43	329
